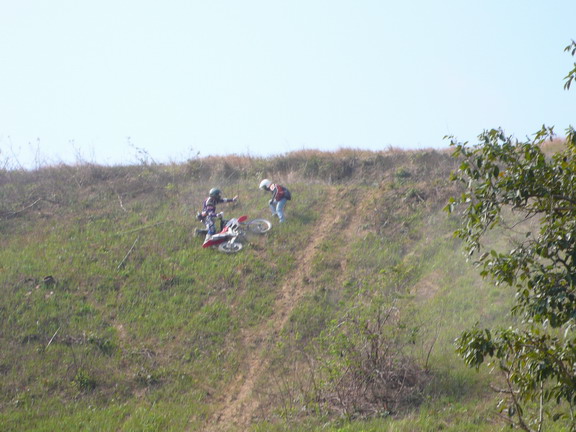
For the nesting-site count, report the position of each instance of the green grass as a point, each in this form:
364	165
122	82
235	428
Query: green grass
143	416
142	328
444	415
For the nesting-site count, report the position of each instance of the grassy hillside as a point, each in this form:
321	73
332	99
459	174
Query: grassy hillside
114	318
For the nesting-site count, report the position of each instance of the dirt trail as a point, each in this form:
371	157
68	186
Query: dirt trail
239	407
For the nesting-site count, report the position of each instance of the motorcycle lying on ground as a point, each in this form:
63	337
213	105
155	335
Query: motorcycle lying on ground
232	235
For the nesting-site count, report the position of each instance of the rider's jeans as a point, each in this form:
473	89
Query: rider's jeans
277	208
210	226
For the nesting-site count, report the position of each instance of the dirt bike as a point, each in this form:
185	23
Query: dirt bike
233	232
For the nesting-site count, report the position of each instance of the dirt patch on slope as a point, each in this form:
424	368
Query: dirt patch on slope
239	406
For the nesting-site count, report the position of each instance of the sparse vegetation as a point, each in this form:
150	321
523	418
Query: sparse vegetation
114	318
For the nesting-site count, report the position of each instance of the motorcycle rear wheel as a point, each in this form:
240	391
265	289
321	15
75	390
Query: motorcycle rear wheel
228	247
259	226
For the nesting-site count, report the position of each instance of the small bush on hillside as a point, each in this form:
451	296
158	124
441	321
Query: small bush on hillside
83	381
367	371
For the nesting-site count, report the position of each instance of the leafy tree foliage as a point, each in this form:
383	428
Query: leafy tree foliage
572	74
504	177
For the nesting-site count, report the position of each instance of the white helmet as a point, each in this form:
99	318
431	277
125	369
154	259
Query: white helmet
265	184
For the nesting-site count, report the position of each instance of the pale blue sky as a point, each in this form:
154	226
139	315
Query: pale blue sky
94	81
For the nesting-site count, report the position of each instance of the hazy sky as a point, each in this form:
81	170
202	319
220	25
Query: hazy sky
112	82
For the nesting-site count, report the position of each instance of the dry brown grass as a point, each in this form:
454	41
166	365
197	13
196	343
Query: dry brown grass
62	185
554	146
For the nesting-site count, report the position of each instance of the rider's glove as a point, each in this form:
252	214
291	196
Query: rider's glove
270	202
220	214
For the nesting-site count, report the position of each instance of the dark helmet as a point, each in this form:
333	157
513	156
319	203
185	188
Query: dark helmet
214	192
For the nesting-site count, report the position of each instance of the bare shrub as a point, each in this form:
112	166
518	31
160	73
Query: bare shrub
368	372
358	369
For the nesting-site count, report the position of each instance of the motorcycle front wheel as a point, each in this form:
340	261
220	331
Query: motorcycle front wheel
259	226
230	247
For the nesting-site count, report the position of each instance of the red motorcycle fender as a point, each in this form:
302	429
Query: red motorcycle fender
213	242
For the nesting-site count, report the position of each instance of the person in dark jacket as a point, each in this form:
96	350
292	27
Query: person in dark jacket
208	213
280	196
